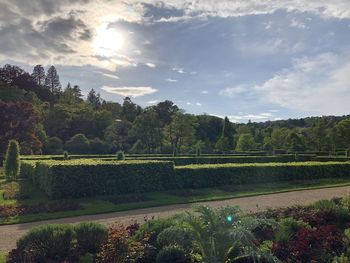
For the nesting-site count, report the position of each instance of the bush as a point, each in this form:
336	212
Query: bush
174	254
175	235
78	144
80	178
202	176
12	165
66	155
90	236
120	156
47	243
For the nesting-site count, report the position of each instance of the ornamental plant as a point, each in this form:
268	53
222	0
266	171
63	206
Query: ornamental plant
12	163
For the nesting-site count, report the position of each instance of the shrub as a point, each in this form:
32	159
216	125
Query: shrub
66	155
47	243
175	235
27	169
120	156
12	163
201	176
90	236
78	144
119	247
288	227
174	254
80	178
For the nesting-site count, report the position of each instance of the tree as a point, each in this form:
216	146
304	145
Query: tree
130	110
342	130
278	138
180	131
165	110
147	128
117	135
12	163
245	143
53	145
295	142
97	146
319	133
225	142
52	80
39	75
94	99
78	144
19	121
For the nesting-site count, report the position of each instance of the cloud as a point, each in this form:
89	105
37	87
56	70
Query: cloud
260	117
179	70
233	91
109	75
150	65
198	104
315	85
204	92
171	80
129	91
152	101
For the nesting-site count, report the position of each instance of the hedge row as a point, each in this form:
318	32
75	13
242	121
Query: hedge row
82	178
200	176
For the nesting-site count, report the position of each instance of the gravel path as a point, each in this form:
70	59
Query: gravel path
10	233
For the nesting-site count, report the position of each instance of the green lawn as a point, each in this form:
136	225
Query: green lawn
101	205
2	257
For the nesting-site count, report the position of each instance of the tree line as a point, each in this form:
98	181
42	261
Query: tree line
48	119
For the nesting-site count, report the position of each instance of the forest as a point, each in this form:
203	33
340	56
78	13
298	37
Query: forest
48	118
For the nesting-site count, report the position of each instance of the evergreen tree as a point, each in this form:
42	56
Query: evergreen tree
52	80
225	142
94	99
12	163
39	75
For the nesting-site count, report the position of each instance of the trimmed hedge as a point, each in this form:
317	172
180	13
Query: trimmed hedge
82	178
201	176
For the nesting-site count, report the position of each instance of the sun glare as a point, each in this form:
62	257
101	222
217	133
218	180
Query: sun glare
108	41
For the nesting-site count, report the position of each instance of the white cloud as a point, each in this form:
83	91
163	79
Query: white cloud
233	91
198	104
298	24
152	101
204	92
130	91
108	75
179	70
171	80
150	65
260	117
317	85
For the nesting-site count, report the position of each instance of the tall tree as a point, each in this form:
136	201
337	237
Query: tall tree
94	99
225	142
180	131
39	75
130	110
52	80
19	122
147	128
165	111
245	143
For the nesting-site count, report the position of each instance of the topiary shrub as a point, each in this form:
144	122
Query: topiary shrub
174	254
120	156
47	243
66	156
90	236
12	165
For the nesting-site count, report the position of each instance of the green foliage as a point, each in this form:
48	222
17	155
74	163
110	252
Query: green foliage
47	243
78	144
66	155
288	227
53	145
120	156
12	165
245	142
80	178
174	254
90	236
202	176
175	235
327	205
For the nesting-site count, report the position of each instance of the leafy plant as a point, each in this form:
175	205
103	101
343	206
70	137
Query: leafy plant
12	163
120	156
90	236
173	253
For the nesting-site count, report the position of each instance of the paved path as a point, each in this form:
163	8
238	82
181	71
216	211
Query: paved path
10	233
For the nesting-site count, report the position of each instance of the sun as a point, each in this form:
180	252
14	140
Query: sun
107	42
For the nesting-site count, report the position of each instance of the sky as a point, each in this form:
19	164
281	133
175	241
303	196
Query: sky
248	60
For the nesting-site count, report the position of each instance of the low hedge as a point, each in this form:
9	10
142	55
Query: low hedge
82	178
201	176
231	159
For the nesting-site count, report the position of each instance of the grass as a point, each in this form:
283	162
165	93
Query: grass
99	205
2	257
